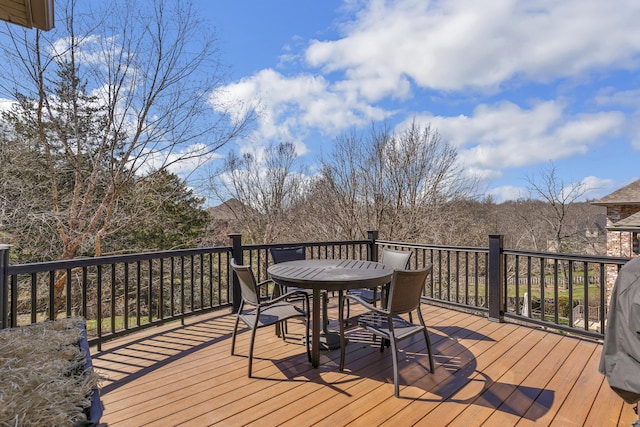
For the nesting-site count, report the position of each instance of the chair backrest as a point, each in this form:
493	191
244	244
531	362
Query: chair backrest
406	289
293	253
398	260
247	281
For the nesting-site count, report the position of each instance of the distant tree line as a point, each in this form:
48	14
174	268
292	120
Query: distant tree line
409	186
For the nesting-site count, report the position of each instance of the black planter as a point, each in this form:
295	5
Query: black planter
94	412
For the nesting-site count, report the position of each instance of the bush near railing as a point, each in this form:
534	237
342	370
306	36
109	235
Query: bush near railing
550	303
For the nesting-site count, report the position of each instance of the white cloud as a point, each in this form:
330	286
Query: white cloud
453	45
596	188
6	104
458	44
610	96
91	49
508	192
288	107
504	135
592	188
535	60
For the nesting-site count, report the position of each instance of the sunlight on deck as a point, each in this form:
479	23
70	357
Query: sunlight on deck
486	373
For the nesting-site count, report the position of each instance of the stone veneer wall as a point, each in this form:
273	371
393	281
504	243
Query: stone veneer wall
619	243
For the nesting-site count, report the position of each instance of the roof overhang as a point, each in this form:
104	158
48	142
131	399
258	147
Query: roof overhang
628	229
630	224
28	13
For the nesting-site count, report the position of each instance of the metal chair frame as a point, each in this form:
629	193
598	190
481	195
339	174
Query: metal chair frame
297	253
386	322
396	259
272	311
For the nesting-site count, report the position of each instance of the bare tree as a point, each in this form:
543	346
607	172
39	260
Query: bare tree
525	222
394	183
110	97
399	184
336	199
266	185
560	198
425	176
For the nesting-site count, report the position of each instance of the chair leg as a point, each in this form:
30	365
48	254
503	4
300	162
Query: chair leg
307	309
307	323
326	304
428	340
251	341
233	335
384	342
394	354
325	315
341	323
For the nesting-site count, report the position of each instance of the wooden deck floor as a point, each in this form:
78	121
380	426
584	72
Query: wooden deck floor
487	373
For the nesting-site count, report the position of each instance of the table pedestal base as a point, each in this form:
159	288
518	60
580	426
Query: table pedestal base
329	340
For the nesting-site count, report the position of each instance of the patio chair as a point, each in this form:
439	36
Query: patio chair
296	253
404	297
267	312
398	260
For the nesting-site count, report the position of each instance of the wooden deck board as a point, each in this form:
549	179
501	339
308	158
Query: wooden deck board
511	410
573	410
463	382
559	386
486	373
513	368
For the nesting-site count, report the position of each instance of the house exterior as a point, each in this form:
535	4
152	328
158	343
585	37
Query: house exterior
623	220
623	224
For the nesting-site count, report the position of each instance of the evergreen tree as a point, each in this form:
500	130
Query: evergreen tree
170	216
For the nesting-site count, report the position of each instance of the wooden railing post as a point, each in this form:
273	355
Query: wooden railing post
4	286
237	254
372	249
496	278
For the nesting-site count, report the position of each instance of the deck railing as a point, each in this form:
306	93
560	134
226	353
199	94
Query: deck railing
121	294
117	294
546	288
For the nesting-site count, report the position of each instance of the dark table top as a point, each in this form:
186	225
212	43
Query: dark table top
332	275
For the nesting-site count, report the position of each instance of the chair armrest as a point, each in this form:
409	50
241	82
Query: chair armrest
368	306
290	294
307	306
265	282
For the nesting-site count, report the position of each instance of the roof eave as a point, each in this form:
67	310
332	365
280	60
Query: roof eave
29	13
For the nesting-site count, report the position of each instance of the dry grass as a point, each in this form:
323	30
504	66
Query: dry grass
42	373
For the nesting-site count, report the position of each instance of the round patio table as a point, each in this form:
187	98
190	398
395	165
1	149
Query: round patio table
331	275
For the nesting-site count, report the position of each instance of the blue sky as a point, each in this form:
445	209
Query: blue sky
512	85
